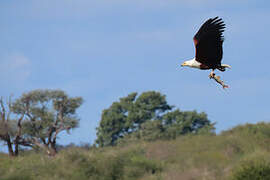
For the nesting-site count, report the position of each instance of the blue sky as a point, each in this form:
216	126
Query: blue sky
103	50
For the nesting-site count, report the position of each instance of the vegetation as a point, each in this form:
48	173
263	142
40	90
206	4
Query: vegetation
253	169
240	153
139	138
43	114
10	129
147	117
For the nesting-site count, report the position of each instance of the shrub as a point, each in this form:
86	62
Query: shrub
252	170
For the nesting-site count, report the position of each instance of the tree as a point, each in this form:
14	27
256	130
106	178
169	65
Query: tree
10	127
171	125
150	131
46	114
147	117
127	115
178	123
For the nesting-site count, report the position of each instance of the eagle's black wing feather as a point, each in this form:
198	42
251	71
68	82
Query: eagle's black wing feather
208	42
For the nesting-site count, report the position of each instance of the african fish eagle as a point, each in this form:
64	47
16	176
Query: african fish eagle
208	46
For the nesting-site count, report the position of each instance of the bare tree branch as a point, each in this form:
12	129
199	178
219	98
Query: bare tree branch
10	107
18	135
2	110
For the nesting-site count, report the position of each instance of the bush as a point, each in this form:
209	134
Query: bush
110	163
252	170
259	131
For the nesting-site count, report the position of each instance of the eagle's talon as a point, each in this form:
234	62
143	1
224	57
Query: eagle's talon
212	75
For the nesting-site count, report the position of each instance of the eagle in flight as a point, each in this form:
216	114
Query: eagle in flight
208	47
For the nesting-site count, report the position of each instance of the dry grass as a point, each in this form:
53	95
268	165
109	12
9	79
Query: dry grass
196	157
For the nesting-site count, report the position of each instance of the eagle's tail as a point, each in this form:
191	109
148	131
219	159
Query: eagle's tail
223	67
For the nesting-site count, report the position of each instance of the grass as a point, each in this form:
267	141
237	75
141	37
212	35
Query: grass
229	155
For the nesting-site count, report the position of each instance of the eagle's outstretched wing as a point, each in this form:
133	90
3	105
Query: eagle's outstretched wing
208	42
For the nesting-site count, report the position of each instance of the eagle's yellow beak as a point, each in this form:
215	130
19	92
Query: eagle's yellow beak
184	64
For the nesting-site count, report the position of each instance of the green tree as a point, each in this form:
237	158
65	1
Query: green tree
171	125
150	131
178	123
46	114
147	117
127	115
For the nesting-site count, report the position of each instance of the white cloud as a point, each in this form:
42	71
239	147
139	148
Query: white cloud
14	68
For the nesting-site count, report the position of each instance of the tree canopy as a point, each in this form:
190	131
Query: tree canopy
127	115
148	117
43	114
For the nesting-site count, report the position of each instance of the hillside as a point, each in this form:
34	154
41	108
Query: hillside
223	156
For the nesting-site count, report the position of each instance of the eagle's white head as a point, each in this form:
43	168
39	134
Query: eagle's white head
191	63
